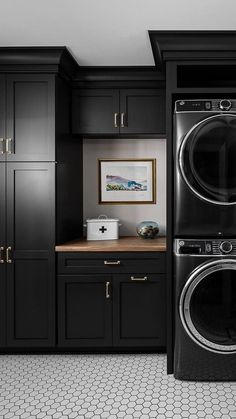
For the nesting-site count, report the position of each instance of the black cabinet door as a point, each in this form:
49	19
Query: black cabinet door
30	116
2	256
95	111
142	111
139	311
84	311
2	118
30	242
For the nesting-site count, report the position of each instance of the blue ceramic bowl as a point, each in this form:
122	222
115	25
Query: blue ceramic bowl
148	229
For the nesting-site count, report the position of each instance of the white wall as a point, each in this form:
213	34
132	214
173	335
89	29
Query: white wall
129	215
108	32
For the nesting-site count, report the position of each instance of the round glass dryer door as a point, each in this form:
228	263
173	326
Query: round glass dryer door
207	159
208	306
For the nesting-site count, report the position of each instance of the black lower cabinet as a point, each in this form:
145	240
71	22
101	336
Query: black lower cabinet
84	311
28	256
2	255
30	304
114	309
139	310
2	304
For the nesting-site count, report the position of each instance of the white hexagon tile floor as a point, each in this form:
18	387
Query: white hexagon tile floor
106	386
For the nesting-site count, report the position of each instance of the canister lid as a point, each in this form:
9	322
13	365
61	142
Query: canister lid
102	218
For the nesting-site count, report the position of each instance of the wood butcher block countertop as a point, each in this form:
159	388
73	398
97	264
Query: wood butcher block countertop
123	244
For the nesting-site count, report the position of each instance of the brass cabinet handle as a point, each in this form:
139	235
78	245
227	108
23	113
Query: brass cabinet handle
107	290
8	255
144	278
2	255
115	120
122	118
2	146
111	262
8	145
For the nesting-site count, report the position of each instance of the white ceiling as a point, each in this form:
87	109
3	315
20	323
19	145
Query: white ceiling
107	32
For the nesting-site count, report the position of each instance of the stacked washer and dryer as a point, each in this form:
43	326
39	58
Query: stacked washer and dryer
205	239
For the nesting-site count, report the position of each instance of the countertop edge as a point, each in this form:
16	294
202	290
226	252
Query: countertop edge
126	244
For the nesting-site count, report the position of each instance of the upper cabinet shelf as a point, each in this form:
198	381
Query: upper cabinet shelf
118	111
206	75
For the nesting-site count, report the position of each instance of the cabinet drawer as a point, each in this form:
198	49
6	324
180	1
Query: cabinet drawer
73	262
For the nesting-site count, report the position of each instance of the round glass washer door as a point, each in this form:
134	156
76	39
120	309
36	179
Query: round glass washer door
207	306
207	159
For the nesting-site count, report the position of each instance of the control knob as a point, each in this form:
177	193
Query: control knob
225	105
226	247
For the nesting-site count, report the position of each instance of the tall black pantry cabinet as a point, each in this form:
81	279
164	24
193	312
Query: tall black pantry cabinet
36	169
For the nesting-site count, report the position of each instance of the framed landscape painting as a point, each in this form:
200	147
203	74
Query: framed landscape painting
127	181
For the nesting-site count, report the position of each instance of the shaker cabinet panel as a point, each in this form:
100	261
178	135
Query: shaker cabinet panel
2	256
84	311
95	111
30	113
30	205
139	310
2	305
2	208
2	118
29	302
142	111
30	234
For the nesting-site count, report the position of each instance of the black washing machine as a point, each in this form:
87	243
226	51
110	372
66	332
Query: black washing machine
205	309
205	168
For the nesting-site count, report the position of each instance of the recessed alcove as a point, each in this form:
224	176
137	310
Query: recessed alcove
129	215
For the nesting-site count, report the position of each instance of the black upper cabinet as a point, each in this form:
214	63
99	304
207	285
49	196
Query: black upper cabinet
114	111
2	118
94	111
142	111
27	109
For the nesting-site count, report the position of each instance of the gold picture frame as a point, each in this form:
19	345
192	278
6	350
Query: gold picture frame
127	181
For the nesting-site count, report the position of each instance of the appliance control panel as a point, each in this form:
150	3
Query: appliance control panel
206	105
205	247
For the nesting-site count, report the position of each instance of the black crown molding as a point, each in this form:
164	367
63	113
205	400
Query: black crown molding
48	59
110	73
118	77
192	45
